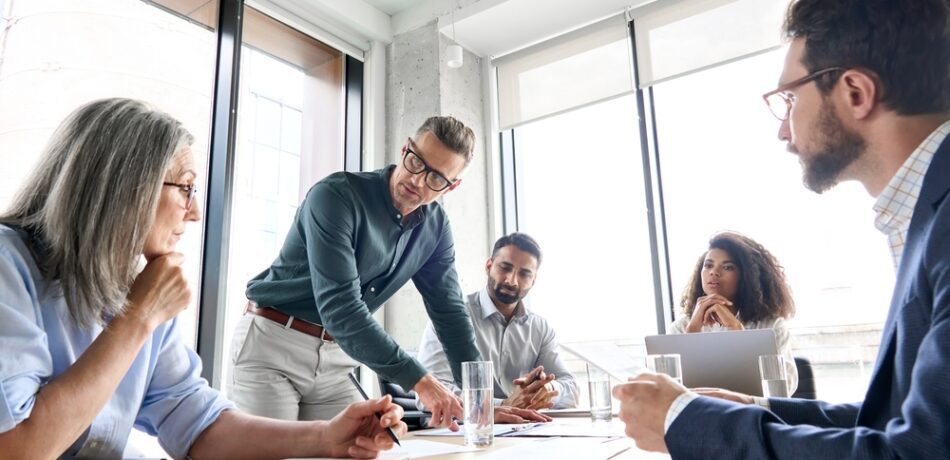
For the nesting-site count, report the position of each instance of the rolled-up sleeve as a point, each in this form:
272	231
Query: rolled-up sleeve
25	363
178	405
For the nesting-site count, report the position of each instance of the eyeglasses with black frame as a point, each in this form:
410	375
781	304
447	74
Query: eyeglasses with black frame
780	100
416	165
190	190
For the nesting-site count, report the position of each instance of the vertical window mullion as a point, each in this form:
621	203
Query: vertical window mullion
656	221
217	205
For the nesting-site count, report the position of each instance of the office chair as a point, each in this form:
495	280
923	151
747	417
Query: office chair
414	418
806	380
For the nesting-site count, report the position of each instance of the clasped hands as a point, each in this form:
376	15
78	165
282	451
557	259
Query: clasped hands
711	310
532	391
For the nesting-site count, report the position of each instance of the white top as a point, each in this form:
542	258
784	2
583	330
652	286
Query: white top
514	348
782	342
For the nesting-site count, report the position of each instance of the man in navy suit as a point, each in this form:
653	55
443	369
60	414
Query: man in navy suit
864	95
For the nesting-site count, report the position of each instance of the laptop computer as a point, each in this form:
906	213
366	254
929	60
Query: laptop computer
727	359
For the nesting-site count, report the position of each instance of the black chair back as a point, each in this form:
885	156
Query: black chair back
414	418
806	380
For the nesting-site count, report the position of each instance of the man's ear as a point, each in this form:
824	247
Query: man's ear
488	265
862	91
453	186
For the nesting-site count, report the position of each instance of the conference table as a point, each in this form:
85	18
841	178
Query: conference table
618	447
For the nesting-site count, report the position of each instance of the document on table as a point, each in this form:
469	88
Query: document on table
586	448
500	429
419	448
608	358
573	430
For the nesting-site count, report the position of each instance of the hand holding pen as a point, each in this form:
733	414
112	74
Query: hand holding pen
531	391
392	416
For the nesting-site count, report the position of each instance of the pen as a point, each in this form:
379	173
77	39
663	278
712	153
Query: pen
359	388
533	377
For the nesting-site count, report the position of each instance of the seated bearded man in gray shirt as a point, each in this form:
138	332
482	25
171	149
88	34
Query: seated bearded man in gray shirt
521	345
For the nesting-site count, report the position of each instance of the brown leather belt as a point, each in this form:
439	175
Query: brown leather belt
286	320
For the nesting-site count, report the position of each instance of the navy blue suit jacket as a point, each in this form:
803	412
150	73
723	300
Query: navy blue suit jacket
906	411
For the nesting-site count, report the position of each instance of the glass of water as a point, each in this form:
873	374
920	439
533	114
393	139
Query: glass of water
598	382
477	388
774	379
668	364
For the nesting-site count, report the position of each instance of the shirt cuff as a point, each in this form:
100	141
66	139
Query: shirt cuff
679	404
764	402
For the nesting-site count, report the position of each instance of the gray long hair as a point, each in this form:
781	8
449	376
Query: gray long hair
91	200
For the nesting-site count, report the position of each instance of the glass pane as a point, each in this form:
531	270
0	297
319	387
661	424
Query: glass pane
59	55
724	169
580	186
290	121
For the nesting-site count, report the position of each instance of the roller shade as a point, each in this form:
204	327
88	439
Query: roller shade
582	67
677	37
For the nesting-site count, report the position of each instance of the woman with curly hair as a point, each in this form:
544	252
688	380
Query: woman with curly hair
738	284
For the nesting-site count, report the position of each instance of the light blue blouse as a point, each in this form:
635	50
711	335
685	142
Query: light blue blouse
161	394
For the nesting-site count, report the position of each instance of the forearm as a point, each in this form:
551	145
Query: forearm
817	413
261	438
66	406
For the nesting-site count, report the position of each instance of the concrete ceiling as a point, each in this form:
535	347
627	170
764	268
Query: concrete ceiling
392	7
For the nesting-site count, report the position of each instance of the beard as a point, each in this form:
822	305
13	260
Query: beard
512	296
839	148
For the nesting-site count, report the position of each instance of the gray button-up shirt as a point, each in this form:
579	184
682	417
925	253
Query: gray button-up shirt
514	348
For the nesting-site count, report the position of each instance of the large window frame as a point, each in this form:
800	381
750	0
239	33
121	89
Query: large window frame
221	160
666	302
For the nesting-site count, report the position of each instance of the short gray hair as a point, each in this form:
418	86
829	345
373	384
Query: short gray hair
451	132
90	202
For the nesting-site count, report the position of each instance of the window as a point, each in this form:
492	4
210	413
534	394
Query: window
724	169
55	57
580	190
290	136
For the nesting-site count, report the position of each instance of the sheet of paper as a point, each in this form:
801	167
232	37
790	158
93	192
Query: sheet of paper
608	358
499	429
586	448
420	448
599	429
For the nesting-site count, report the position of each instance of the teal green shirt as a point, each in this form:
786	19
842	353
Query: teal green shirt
348	252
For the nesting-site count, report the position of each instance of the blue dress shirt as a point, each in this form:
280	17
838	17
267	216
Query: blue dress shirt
162	393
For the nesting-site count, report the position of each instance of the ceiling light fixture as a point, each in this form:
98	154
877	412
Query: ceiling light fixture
453	53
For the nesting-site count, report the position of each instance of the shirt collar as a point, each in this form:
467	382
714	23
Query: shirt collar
895	205
487	307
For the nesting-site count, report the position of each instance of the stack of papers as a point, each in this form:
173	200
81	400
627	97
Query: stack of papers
546	449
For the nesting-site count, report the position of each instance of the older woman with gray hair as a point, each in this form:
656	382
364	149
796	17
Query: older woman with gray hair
90	342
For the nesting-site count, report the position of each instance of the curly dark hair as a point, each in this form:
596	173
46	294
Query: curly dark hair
763	293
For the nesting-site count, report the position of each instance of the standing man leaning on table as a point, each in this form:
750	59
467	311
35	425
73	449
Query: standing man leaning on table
865	95
356	239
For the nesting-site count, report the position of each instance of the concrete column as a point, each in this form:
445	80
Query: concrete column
420	85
